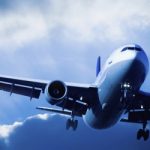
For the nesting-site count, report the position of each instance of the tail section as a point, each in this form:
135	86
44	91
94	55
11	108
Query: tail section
98	66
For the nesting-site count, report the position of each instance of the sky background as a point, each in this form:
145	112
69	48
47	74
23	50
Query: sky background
61	39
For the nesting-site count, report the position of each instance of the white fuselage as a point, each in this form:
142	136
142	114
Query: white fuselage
124	66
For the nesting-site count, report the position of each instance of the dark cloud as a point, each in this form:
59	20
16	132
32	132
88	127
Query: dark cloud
39	134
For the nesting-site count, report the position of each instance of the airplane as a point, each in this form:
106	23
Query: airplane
115	92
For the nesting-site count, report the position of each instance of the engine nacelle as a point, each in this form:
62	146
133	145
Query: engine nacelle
55	91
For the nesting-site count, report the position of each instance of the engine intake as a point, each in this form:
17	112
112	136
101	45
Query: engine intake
56	90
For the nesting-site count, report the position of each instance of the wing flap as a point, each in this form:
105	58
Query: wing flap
64	112
141	101
137	117
25	82
18	89
77	107
86	93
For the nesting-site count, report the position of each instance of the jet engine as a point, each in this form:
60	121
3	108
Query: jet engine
55	91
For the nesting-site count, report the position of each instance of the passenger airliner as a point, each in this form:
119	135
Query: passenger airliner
102	104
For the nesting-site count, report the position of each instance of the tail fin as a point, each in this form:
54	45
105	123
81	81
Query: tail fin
98	66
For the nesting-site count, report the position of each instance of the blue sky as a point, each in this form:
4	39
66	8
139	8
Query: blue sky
61	39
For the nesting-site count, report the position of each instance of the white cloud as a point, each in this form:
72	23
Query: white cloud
46	132
17	29
81	21
32	129
7	130
40	116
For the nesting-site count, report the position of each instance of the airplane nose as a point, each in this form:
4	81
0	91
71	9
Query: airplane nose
142	58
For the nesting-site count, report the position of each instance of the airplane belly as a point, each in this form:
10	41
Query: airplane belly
110	93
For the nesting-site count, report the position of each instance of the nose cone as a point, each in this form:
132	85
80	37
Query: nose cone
136	53
142	58
137	46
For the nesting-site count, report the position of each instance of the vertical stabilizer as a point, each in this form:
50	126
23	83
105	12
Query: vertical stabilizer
98	66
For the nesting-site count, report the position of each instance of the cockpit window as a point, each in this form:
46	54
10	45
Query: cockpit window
124	49
131	48
138	49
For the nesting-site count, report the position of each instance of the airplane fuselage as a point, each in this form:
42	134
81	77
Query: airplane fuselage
121	78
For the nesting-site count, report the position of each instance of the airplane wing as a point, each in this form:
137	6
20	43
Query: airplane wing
22	86
141	101
138	109
79	96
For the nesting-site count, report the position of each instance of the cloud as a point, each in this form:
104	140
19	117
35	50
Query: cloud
46	39
17	29
8	131
5	130
81	21
45	131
